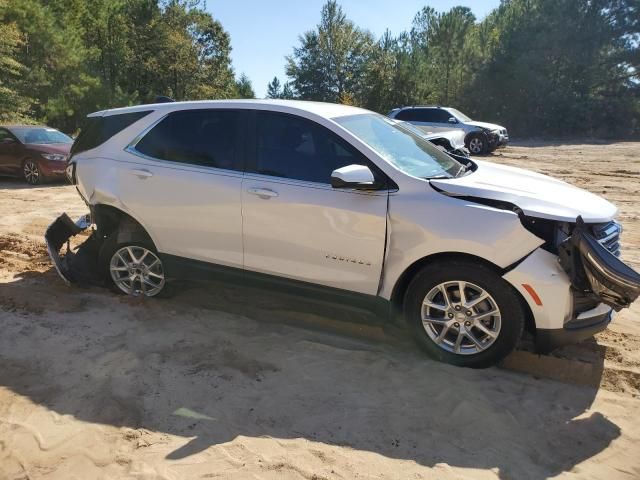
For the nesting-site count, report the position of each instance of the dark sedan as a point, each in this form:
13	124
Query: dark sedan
34	153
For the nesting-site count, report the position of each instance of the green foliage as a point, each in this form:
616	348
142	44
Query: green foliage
244	89
328	63
276	90
273	88
61	59
561	67
14	104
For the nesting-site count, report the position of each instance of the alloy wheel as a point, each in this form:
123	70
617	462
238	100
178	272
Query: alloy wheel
31	172
461	317
137	271
476	145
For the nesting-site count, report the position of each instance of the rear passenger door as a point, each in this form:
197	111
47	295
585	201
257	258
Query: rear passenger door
295	224
183	180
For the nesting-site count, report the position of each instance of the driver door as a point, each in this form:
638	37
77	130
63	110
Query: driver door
9	154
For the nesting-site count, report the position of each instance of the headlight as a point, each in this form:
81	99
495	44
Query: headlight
55	157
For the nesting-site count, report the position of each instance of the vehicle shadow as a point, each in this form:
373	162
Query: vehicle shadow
10	183
217	362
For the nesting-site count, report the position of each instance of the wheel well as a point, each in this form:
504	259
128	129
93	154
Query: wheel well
400	288
110	219
470	135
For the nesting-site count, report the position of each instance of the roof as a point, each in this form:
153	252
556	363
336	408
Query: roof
22	125
420	106
327	110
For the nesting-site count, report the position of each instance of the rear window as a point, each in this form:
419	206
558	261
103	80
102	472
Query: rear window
98	130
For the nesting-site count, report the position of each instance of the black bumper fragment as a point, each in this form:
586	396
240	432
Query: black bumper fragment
80	266
591	267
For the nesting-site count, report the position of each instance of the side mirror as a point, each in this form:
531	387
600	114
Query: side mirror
353	176
453	120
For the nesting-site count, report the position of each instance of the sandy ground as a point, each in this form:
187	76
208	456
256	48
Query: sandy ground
225	383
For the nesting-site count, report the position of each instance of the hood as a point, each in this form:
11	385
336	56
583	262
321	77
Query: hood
535	194
490	126
63	148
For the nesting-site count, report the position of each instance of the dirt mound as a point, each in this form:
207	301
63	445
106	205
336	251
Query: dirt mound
22	246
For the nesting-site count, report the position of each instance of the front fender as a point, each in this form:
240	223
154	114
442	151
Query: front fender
545	287
450	225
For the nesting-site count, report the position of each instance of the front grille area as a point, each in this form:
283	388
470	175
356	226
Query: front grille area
608	234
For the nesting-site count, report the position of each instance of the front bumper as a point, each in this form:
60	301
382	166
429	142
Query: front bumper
573	295
497	139
52	169
584	326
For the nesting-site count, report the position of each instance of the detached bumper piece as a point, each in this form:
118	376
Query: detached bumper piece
80	266
592	267
586	325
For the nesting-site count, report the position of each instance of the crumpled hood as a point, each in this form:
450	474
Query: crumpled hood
455	137
490	126
535	194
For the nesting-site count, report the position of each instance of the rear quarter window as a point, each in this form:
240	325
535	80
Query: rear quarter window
98	130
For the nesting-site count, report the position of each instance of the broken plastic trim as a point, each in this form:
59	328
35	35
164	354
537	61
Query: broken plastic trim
591	266
80	266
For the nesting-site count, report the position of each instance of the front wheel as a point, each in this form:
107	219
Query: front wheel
464	314
133	268
478	144
31	172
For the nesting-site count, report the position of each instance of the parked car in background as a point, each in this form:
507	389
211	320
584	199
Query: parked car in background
333	201
451	141
34	153
480	137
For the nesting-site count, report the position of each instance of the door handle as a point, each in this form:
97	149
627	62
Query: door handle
262	192
141	173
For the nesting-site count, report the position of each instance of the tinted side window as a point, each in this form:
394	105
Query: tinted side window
98	130
292	147
4	134
418	115
199	137
408	115
441	116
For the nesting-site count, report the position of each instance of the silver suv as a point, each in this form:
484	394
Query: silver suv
480	137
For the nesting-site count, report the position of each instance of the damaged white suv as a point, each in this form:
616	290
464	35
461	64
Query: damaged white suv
335	201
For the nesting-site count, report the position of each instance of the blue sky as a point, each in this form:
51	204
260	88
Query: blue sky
263	32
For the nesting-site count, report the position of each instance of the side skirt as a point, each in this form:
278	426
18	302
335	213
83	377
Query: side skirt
188	269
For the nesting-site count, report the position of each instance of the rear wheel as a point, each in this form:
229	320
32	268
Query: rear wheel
464	314
31	172
132	267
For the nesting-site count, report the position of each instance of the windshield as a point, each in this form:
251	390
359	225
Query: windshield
40	135
459	115
401	146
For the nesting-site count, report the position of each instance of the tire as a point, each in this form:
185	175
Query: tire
31	172
477	144
134	258
505	326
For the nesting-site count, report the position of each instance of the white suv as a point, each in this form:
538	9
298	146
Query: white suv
335	201
480	137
